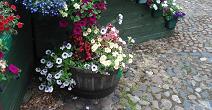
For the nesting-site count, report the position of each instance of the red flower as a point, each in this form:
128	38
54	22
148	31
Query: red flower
6	21
20	25
1	55
1	17
13	69
1	28
1	24
10	18
13	7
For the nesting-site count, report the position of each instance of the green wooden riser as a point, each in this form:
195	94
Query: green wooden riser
137	23
21	54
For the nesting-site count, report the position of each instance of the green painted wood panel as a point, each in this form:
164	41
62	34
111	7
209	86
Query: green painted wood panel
21	54
137	22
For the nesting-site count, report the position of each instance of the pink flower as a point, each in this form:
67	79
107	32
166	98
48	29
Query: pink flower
92	20
13	69
100	6
1	55
63	24
77	31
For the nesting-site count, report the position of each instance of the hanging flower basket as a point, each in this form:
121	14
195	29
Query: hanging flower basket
94	85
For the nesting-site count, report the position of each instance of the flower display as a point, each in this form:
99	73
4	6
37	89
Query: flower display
108	50
157	4
46	7
106	53
7	71
9	21
169	7
84	15
54	69
172	10
87	11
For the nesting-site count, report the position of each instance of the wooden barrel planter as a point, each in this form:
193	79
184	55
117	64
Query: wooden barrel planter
94	85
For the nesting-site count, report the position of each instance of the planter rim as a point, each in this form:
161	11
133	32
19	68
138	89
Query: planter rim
89	73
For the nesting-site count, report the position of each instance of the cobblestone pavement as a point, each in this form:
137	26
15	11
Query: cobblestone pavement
173	73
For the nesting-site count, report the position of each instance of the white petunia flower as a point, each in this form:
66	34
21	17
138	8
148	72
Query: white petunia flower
59	82
103	31
57	76
48	52
51	89
58	66
49	77
87	66
43	61
66	83
73	82
94	68
52	54
59	61
46	89
62	47
155	6
41	87
70	54
49	64
68	46
44	72
107	50
76	6
158	1
65	55
38	70
62	86
69	88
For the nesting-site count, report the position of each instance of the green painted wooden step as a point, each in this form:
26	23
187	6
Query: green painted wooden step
137	22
